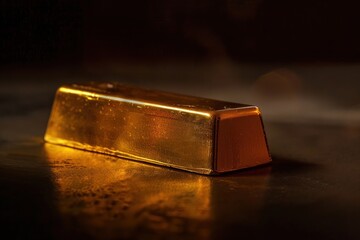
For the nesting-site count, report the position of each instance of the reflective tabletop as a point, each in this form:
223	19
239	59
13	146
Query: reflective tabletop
311	190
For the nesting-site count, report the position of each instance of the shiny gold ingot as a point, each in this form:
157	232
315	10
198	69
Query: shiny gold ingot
194	134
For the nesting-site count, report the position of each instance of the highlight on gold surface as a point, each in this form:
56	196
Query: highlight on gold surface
90	96
195	134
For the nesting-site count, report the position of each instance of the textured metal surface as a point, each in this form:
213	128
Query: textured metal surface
311	191
195	134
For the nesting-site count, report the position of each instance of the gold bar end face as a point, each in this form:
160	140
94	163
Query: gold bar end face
240	140
189	133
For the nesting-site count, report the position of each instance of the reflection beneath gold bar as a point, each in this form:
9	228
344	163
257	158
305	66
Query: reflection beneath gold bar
110	198
107	193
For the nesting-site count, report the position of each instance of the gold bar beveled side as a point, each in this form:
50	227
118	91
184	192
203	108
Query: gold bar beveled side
151	126
240	140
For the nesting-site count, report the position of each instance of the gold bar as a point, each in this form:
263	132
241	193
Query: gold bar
190	133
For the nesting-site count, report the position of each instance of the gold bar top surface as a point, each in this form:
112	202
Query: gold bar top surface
190	133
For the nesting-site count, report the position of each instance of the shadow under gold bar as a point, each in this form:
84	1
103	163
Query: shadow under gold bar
190	133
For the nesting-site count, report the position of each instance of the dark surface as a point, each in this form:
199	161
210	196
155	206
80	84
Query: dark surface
310	191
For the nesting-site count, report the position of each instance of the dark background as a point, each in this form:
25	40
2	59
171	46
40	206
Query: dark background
78	33
297	60
294	59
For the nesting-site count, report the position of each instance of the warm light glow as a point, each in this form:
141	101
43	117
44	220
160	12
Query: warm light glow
98	191
97	95
117	194
203	136
119	153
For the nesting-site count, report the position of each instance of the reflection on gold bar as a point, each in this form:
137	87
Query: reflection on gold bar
195	134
